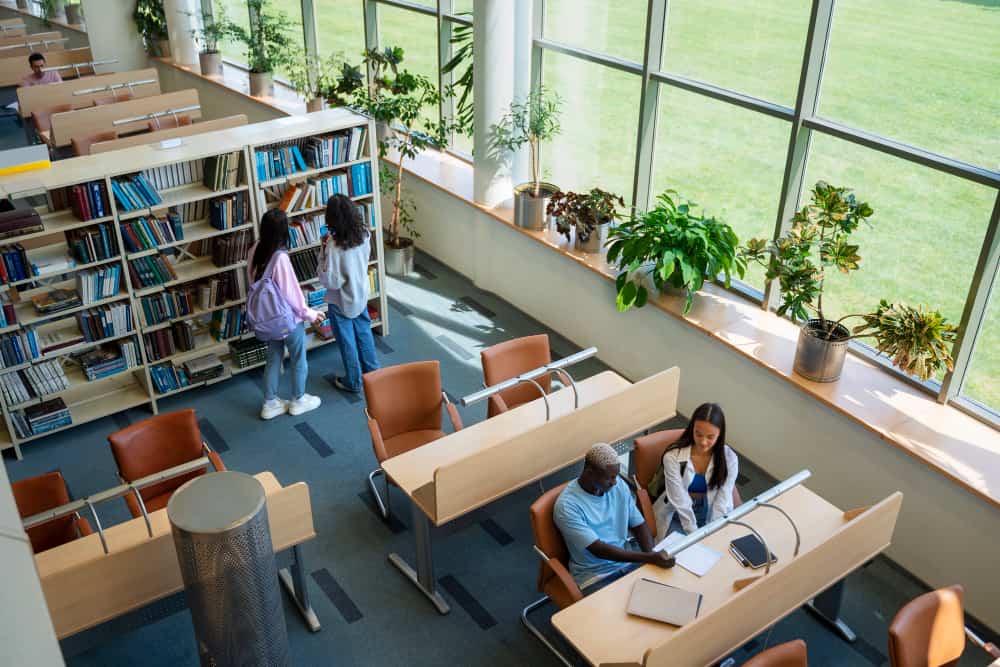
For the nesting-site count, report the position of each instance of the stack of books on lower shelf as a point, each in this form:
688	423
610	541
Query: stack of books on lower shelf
228	322
87	200
41	379
108	360
150	271
149	232
55	301
305	264
97	284
17	218
248	352
231	248
106	321
42	418
204	368
167	378
18	348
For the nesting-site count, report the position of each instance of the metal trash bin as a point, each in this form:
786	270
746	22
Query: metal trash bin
226	556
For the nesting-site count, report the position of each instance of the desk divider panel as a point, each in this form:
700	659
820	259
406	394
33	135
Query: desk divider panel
773	597
15	68
85	122
84	587
7	39
34	98
172	133
490	473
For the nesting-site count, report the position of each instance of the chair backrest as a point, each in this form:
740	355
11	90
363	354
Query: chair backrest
511	358
42	119
81	145
648	454
168	122
547	535
111	99
155	444
405	397
929	631
789	654
40	493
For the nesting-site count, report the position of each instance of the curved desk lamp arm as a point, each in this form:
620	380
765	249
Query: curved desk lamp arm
798	538
142	508
576	394
541	391
767	552
97	522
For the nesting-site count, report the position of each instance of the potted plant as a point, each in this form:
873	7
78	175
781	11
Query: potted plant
22	4
53	9
675	247
215	27
151	21
347	81
589	213
461	87
74	13
268	45
531	121
315	79
917	339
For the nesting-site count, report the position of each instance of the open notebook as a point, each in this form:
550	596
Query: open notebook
663	602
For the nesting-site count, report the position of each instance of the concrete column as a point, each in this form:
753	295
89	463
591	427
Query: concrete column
523	11
112	34
182	19
493	60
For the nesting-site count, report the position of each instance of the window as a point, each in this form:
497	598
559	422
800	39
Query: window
925	236
727	159
751	46
236	11
600	116
462	6
340	29
417	35
982	384
920	71
293	10
615	28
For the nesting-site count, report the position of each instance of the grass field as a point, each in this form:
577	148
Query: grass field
919	71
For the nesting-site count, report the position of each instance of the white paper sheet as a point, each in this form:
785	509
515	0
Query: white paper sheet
696	559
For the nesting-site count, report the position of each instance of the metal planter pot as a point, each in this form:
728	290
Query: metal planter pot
211	63
74	15
818	359
22	4
261	84
399	261
162	47
529	211
315	104
595	241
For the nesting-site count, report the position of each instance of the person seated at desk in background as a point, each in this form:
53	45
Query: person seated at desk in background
37	76
595	514
699	473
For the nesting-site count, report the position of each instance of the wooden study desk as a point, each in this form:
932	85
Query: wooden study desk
14	68
85	122
35	98
172	133
832	546
463	471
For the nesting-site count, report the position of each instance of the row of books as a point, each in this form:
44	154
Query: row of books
41	418
336	148
219	289
158	308
305	264
228	212
92	245
18	347
109	359
367	212
231	248
105	321
372	282
88	201
25	384
15	264
18	217
229	323
96	284
133	193
278	161
167	378
306	232
221	172
175	175
164	342
149	232
248	352
150	270
359	179
8	315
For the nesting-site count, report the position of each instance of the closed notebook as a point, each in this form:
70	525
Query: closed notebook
663	602
750	551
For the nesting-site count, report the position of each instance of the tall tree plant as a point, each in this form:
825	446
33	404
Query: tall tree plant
268	41
530	121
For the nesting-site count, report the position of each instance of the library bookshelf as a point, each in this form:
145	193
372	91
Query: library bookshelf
141	263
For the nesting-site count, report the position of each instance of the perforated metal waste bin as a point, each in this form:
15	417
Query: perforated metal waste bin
224	548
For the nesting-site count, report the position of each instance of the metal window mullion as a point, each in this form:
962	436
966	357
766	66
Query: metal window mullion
370	9
444	28
806	105
614	62
309	39
984	280
411	6
649	104
725	95
537	53
455	18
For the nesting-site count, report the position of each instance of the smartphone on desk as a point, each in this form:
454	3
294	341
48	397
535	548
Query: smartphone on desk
749	551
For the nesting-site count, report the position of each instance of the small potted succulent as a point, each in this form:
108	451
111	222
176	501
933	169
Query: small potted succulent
590	214
268	43
530	121
676	248
917	339
215	27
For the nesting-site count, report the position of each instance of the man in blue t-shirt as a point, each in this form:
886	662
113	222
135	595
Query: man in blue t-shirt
595	514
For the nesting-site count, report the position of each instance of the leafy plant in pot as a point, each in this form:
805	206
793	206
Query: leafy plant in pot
268	45
461	87
530	121
916	338
674	247
74	13
589	213
151	22
215	27
315	79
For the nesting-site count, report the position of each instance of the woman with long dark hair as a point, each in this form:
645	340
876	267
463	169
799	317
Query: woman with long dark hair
343	271
699	472
269	259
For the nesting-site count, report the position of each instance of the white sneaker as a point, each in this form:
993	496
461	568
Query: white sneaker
303	404
273	408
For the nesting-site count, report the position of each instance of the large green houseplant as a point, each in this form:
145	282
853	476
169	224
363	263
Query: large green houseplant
590	214
917	339
530	121
151	22
269	44
674	246
461	86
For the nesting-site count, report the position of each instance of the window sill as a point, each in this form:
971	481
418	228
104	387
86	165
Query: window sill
942	437
76	27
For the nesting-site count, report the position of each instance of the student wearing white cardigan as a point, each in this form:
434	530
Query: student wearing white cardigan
699	472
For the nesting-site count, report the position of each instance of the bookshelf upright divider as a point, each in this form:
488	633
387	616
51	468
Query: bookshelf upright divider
181	241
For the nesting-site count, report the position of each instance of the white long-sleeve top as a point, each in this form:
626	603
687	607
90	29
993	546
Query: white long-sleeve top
675	498
344	274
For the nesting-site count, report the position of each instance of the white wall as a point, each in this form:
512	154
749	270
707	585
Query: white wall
113	34
944	535
216	101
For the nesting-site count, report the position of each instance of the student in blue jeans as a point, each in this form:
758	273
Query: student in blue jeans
343	271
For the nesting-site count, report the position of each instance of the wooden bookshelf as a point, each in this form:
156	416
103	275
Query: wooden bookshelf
179	171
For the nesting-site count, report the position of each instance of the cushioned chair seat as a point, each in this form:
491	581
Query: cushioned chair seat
404	442
509	359
789	654
44	492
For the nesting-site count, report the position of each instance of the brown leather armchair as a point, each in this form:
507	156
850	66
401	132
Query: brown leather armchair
81	145
929	631
789	654
112	99
168	122
509	359
404	412
156	444
647	458
45	492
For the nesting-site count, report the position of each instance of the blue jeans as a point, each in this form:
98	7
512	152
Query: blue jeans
295	342
356	343
700	507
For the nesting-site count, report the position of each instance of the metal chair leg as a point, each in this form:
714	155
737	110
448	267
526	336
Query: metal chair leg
383	505
538	633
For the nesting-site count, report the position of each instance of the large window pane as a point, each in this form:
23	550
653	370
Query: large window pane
982	383
925	236
752	46
235	11
340	28
727	159
417	34
600	108
293	10
921	71
616	28
461	6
